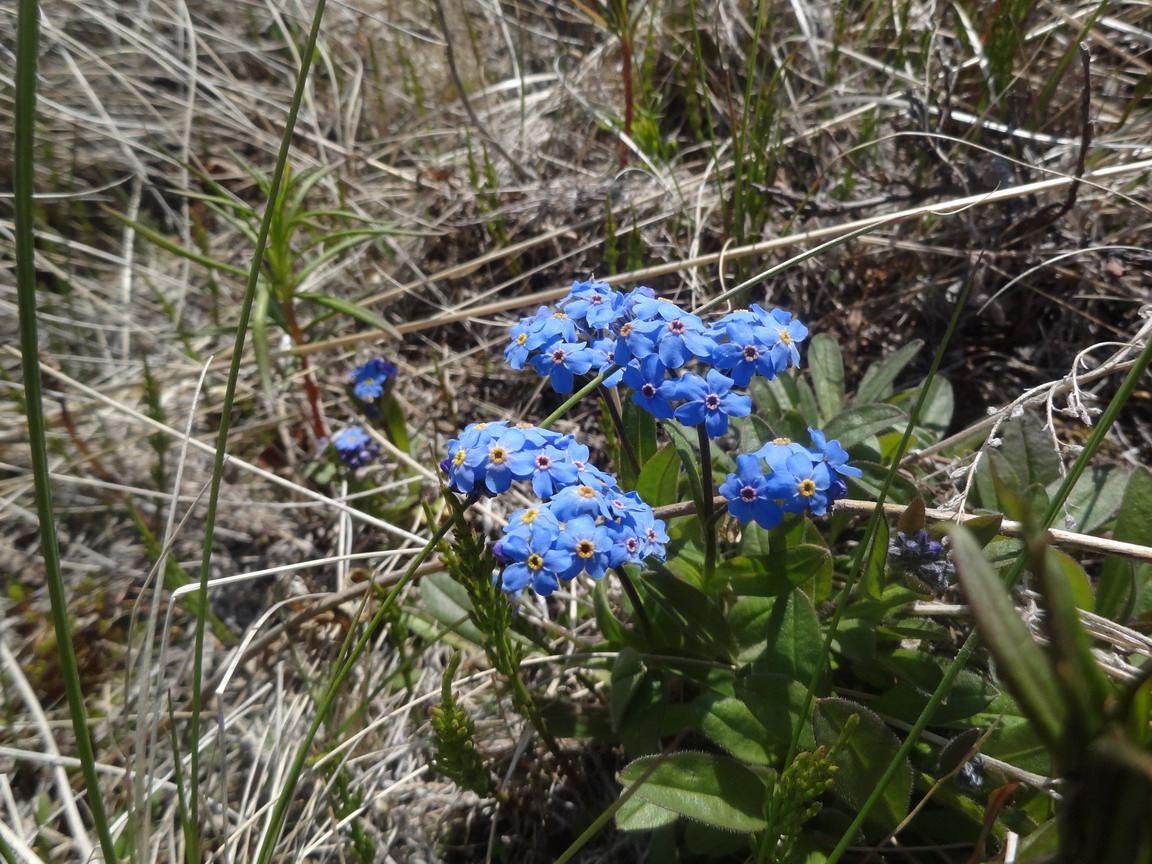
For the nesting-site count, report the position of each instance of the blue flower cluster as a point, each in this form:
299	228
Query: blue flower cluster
647	341
798	479
584	524
355	447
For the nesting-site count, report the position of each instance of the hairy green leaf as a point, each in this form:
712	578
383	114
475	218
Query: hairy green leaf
712	789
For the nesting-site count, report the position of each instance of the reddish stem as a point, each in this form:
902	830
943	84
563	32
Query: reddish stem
319	427
626	71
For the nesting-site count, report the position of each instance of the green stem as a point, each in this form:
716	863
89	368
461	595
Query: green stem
610	401
708	515
24	175
576	397
634	596
192	829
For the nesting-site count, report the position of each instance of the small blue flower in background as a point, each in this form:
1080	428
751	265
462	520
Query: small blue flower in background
582	500
748	495
709	402
799	483
587	473
354	447
781	448
369	378
563	360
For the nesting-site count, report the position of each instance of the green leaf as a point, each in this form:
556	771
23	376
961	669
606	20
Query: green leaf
1064	584
917	675
985	528
261	346
778	635
827	368
660	478
778	703
936	415
876	384
1020	661
732	725
871	746
611	628
683	615
1115	591
690	459
639	429
775	573
175	248
709	788
1096	496
352	310
636	814
862	422
628	673
393	416
446	600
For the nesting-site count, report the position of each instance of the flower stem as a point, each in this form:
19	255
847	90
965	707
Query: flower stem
611	401
634	596
319	427
708	516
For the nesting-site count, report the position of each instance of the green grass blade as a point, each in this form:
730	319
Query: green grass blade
274	196
24	174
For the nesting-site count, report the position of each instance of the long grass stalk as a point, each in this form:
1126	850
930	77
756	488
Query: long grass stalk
192	823
24	171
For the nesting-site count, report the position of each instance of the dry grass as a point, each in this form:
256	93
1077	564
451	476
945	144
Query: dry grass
850	119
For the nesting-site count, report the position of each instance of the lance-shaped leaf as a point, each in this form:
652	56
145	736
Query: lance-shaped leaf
713	789
1019	660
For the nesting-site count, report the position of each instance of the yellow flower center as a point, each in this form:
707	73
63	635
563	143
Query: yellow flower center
497	455
458	459
807	488
559	314
534	562
781	440
587	492
585	548
785	337
529	516
522	338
